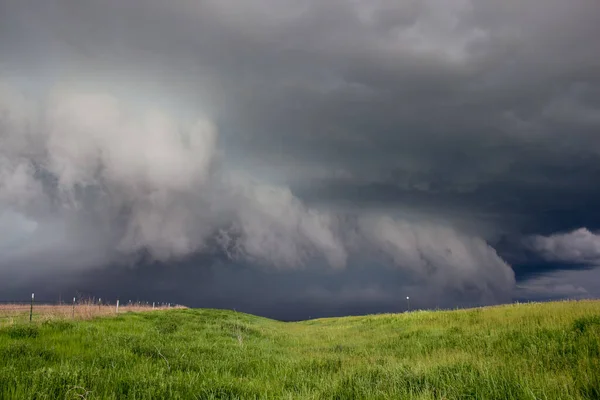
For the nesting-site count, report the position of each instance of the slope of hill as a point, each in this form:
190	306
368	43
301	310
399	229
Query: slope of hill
532	351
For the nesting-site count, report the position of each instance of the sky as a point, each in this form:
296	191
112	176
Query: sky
298	159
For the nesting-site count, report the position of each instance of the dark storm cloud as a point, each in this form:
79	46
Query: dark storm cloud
403	129
447	95
286	295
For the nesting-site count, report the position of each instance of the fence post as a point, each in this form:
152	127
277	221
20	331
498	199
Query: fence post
117	306
31	309
73	313
99	303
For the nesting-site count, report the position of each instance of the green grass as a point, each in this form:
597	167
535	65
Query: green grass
532	351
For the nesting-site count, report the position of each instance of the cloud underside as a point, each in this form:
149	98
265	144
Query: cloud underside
91	181
410	134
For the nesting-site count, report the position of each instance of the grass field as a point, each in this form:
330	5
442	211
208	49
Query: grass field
532	351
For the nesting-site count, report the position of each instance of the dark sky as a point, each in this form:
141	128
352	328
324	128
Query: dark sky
300	158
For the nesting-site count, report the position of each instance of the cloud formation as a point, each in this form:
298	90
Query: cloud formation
418	134
141	181
577	247
440	256
545	288
125	181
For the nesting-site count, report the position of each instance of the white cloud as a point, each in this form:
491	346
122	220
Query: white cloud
272	221
580	246
153	184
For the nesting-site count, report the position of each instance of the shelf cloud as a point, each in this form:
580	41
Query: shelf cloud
444	146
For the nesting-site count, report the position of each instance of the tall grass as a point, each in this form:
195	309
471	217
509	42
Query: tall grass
534	351
83	309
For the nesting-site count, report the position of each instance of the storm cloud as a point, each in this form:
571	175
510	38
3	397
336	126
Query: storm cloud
327	143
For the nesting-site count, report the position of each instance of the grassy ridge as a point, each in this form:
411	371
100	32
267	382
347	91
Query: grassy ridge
534	351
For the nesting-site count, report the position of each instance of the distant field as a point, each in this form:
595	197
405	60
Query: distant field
533	351
16	313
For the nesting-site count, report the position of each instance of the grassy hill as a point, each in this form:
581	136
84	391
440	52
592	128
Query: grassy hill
533	351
